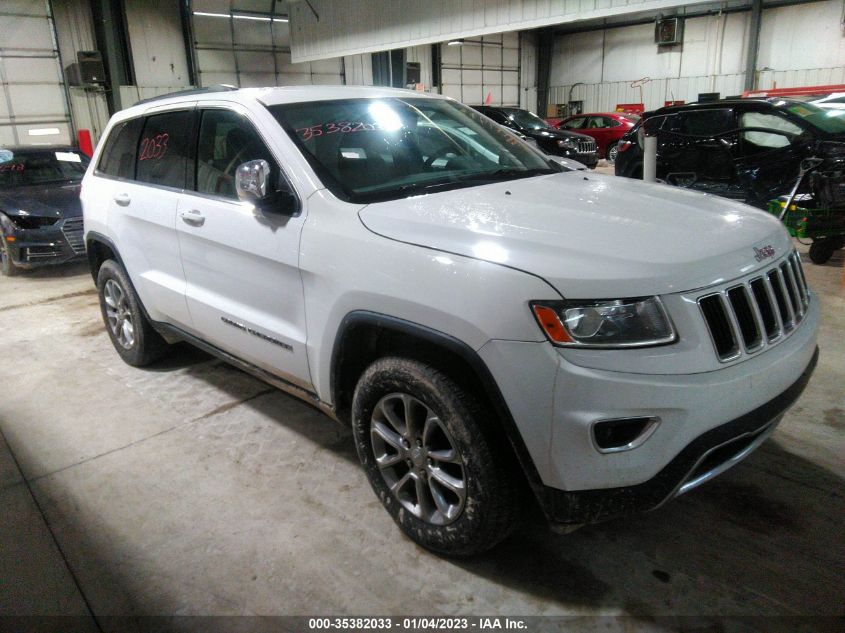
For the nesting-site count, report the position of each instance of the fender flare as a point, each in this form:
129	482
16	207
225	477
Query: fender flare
455	346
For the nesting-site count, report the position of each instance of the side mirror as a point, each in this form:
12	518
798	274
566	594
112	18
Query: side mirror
251	181
253	184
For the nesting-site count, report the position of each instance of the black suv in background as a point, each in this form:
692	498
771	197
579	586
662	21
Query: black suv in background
40	212
746	149
579	147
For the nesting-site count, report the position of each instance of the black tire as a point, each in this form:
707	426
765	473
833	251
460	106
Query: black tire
821	252
147	345
7	266
491	506
611	153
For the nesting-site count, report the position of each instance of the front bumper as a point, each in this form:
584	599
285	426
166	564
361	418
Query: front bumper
54	244
556	403
708	455
590	159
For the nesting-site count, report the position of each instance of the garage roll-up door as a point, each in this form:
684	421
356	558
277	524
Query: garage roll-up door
33	100
478	67
246	43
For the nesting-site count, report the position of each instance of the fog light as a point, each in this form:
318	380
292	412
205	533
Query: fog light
622	434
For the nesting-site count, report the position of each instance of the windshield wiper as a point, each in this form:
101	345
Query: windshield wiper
506	173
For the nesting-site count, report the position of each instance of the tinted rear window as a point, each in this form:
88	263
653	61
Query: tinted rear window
706	122
164	149
118	157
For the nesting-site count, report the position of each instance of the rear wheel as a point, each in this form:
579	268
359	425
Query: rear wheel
822	251
429	453
133	337
612	153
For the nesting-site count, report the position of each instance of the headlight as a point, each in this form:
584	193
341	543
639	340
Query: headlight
32	221
636	322
567	143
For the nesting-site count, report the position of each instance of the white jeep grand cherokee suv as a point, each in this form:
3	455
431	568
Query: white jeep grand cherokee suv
487	321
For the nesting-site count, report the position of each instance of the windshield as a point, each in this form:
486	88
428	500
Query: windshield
27	167
828	120
366	150
526	119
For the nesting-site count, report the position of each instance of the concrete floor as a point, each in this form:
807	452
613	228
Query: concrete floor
192	488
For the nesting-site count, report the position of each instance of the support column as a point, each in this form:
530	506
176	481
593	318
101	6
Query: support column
545	44
109	27
753	45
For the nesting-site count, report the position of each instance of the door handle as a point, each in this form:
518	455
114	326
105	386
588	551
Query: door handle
123	199
193	217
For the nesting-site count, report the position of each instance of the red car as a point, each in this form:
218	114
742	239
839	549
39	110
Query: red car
606	127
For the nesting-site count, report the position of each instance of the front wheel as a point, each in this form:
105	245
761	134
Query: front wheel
132	335
612	153
431	456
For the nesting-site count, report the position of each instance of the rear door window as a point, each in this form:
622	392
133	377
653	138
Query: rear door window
164	149
118	159
575	124
707	123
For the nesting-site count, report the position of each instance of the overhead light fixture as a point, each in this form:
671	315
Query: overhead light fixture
455	42
44	131
241	16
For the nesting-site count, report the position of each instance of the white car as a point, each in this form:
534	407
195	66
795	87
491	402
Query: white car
489	322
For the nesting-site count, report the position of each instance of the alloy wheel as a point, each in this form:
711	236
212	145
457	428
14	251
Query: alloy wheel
118	314
612	153
417	459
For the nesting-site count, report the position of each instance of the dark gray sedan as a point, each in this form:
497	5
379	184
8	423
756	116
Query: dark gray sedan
40	213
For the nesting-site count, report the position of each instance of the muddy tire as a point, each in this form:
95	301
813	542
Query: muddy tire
433	458
134	339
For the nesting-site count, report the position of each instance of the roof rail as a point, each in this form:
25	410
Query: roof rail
190	91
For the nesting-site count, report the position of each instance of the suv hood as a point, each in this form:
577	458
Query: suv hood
49	200
555	134
590	236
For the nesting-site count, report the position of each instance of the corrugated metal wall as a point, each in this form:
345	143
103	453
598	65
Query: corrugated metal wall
800	45
75	31
159	58
348	27
34	109
482	67
251	51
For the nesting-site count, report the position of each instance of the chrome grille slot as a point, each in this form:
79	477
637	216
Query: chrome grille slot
791	292
798	275
72	229
746	319
721	330
779	290
750	315
766	308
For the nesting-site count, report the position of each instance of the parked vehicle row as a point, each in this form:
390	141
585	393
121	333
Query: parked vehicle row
606	128
578	147
490	323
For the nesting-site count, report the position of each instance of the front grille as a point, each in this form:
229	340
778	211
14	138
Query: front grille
586	146
72	229
748	316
